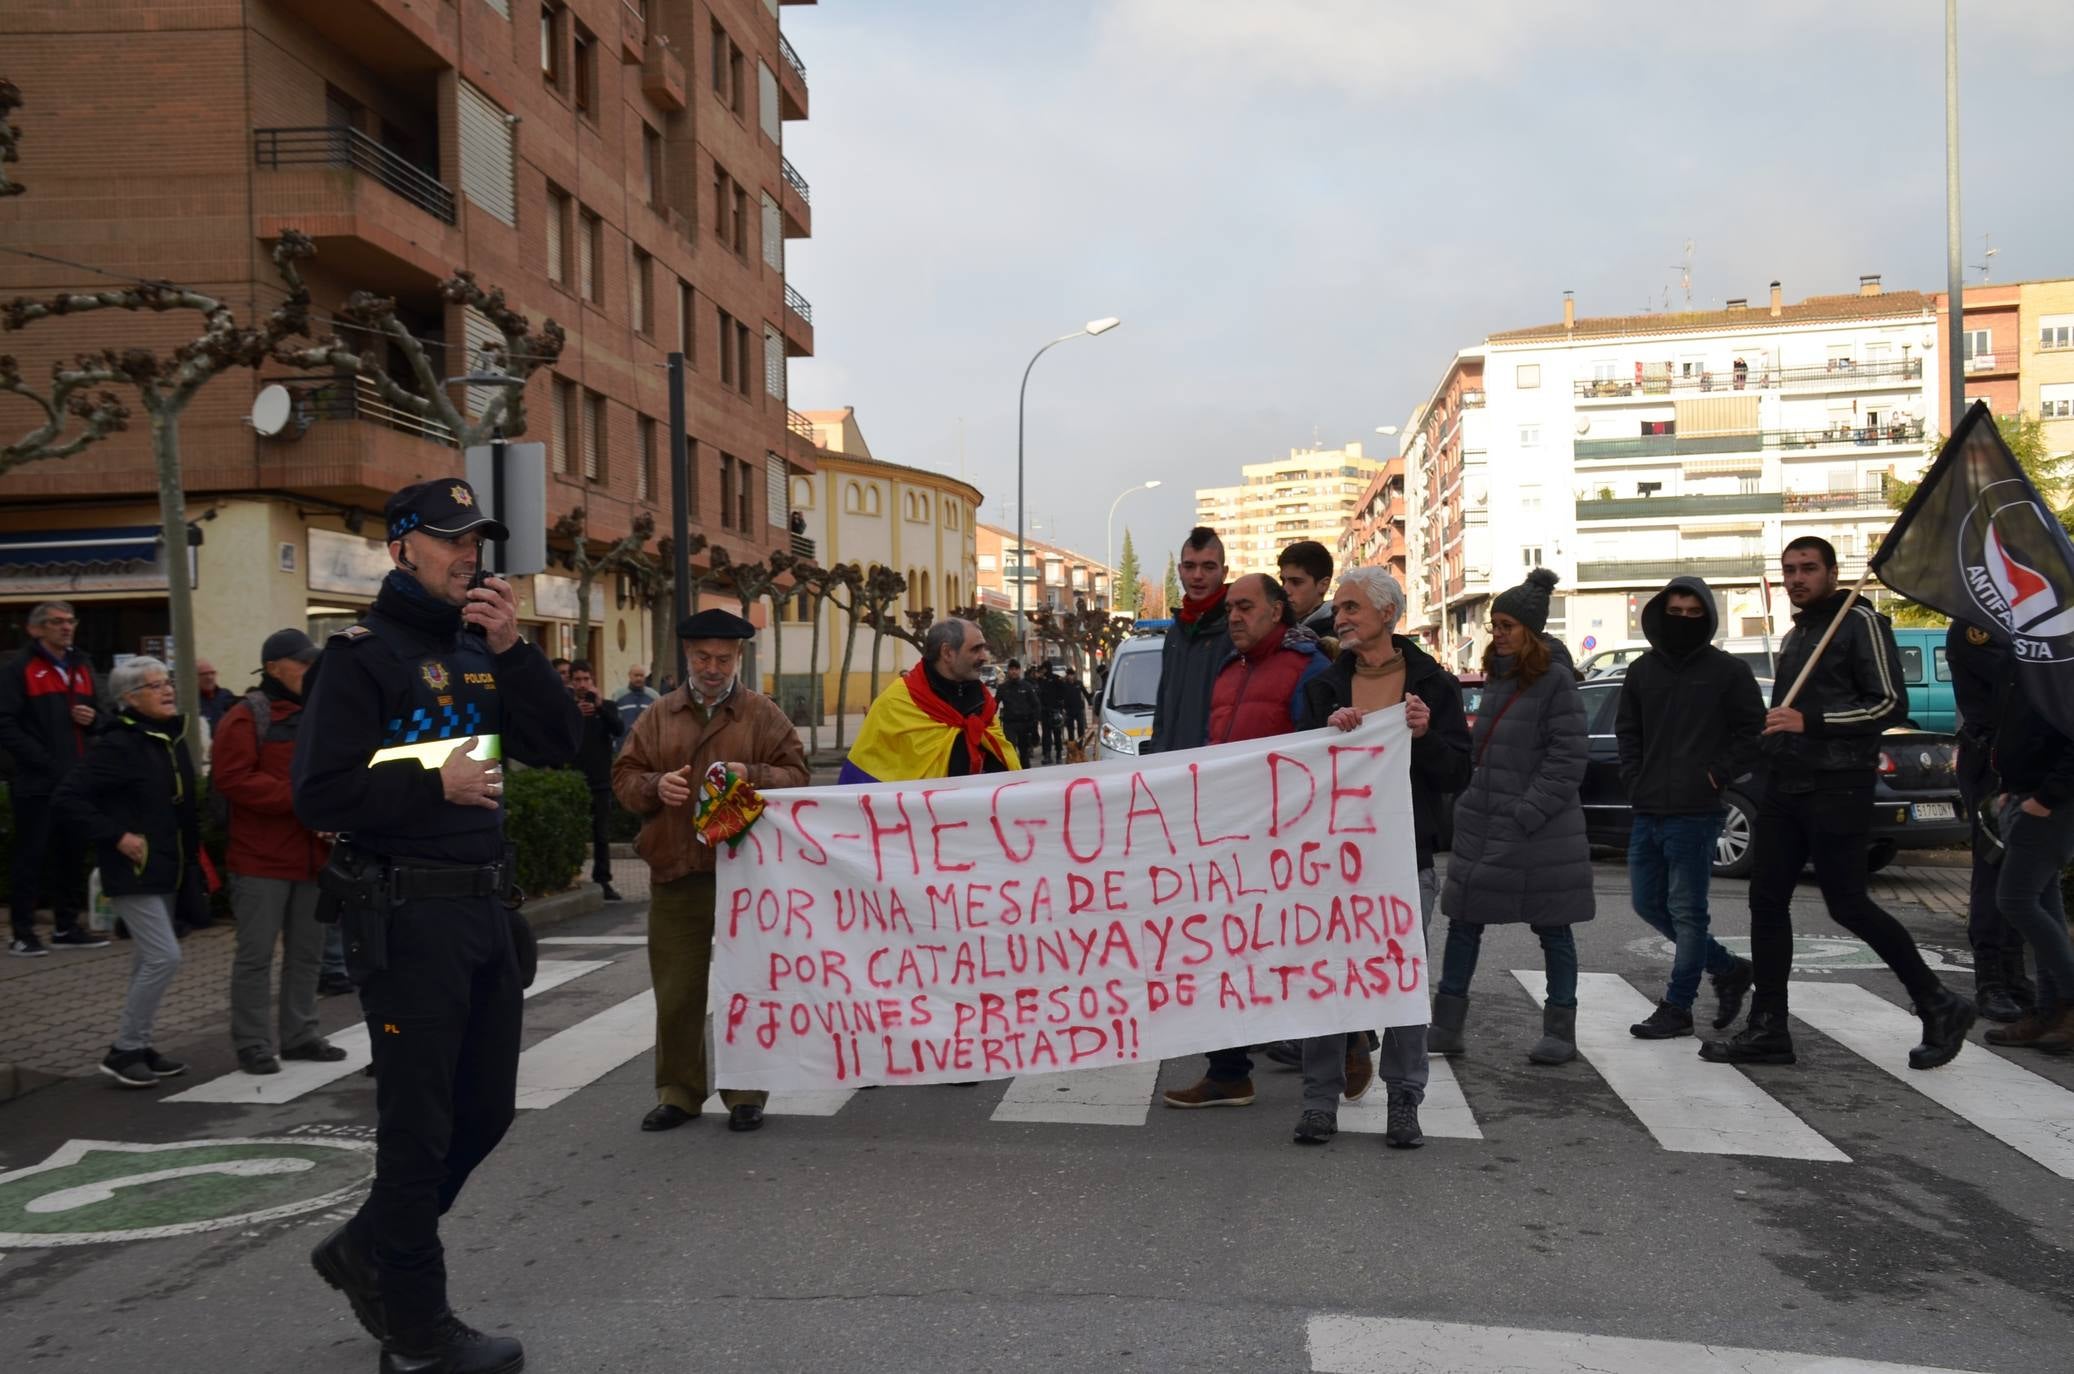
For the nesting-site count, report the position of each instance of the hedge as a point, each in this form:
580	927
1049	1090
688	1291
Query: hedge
547	820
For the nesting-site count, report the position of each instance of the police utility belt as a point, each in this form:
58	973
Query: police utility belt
356	882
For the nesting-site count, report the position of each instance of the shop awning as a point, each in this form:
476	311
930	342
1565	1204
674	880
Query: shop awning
125	548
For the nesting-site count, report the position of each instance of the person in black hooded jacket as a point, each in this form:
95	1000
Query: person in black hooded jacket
1688	725
2036	765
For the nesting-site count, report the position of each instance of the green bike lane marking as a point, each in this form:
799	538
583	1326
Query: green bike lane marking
91	1192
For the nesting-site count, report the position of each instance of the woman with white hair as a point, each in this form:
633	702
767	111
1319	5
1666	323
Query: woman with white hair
1379	670
133	796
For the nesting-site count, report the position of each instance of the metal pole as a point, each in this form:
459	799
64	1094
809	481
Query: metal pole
499	562
1955	279
680	506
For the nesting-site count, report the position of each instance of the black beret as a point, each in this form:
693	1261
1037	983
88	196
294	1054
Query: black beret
715	625
444	508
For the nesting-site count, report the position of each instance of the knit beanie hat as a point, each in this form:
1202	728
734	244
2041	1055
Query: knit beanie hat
1528	602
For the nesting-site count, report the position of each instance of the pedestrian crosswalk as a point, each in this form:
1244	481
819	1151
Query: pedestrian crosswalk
1686	1105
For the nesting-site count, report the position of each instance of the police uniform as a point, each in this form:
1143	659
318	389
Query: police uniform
434	948
1978	667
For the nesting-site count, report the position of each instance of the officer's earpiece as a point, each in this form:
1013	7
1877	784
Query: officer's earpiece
403	555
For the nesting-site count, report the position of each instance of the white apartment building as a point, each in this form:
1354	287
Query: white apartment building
1623	451
1311	494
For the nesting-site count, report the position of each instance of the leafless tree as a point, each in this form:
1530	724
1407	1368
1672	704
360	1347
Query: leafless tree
618	556
880	589
845	587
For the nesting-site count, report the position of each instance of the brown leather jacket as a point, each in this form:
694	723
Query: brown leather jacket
747	728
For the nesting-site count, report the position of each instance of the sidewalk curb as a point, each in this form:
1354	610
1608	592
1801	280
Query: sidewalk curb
555	908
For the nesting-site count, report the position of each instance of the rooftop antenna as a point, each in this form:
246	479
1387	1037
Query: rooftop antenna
1986	268
1684	278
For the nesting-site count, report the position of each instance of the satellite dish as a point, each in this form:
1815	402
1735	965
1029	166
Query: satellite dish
273	411
1584	424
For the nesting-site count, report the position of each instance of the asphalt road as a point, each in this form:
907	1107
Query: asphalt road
910	1231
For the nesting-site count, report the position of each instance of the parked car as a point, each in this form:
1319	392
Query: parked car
1614	660
1915	800
1128	698
1924	672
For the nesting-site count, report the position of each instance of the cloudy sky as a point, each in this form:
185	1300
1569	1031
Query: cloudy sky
1301	208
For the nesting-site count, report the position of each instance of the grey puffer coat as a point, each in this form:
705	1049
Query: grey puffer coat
1520	853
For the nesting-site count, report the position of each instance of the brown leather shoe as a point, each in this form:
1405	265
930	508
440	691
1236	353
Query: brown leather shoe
2022	1034
1209	1092
2059	1033
1360	1070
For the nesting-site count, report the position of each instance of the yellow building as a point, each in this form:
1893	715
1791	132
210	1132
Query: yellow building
864	510
1311	494
2046	373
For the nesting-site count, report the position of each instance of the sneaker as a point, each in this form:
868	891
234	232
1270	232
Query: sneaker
258	1059
334	985
1360	1069
1764	1041
320	1050
127	1068
162	1066
1403	1132
1210	1093
1995	1004
27	947
1665	1023
78	938
1315	1127
450	1346
1946	1018
1730	989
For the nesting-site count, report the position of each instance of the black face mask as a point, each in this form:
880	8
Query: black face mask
1681	634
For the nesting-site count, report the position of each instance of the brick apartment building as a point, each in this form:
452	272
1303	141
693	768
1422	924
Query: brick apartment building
616	165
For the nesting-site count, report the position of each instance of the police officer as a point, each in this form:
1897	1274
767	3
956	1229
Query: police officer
408	716
2002	991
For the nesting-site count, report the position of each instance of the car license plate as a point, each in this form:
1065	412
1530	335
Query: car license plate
1934	811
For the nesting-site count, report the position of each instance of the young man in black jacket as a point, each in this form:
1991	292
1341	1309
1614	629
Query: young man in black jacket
1021	709
1821	757
1688	725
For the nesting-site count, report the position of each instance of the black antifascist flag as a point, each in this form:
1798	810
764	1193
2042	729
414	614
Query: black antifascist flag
1979	543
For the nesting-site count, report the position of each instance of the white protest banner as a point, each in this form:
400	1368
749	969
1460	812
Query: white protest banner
1012	923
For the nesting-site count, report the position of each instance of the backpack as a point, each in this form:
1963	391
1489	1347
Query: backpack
275	732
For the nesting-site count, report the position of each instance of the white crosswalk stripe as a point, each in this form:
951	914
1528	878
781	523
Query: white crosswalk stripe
1445	1113
2028	1113
1689	1105
299	1076
570	1060
1394	1345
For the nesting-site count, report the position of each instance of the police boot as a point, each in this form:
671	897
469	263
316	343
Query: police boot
346	1264
451	1346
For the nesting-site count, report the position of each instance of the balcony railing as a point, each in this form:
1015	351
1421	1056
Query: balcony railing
800	425
802	547
1835	500
1680	446
795	180
797	304
349	148
791	56
358	398
1668	507
1754	379
1661	570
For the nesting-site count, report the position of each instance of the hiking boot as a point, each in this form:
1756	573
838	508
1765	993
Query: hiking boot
1449	1015
1315	1127
451	1346
349	1267
1403	1132
1558	1042
127	1068
1209	1092
1730	989
1946	1018
1764	1041
160	1066
1360	1068
27	947
1665	1023
78	938
1995	1004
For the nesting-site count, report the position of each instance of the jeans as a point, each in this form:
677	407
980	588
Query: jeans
2035	849
148	916
1670	862
49	862
1558	958
334	958
1402	1065
270	912
1829	827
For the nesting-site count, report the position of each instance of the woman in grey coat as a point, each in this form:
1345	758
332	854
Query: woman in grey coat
1520	853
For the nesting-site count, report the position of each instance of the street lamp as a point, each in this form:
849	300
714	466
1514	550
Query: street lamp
1022	553
1109	556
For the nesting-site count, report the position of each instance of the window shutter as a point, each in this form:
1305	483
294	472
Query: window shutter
557	251
502	7
767	102
593	437
773	235
644	471
560	438
488	160
774	488
477	330
587	255
773	362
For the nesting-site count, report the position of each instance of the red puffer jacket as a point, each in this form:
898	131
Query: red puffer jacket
266	840
1259	694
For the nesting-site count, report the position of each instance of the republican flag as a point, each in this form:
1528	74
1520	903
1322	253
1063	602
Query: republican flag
1979	543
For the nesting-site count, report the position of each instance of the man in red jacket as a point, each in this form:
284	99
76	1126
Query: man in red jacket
1258	693
274	861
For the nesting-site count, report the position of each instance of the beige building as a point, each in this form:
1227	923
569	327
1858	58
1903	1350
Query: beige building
860	509
1311	494
1057	577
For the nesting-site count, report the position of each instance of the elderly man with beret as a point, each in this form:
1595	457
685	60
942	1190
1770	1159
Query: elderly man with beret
711	719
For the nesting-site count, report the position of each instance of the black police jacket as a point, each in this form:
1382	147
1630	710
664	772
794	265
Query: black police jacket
1020	704
389	700
1855	694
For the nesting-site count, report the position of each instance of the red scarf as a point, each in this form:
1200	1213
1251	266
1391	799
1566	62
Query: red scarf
973	728
1193	609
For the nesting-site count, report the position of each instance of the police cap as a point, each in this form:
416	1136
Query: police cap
444	508
715	624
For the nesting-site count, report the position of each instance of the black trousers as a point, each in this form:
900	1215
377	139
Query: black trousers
49	864
601	837
1023	735
1831	827
1051	737
1998	948
443	1019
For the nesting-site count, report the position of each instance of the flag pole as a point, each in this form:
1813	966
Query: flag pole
1827	635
